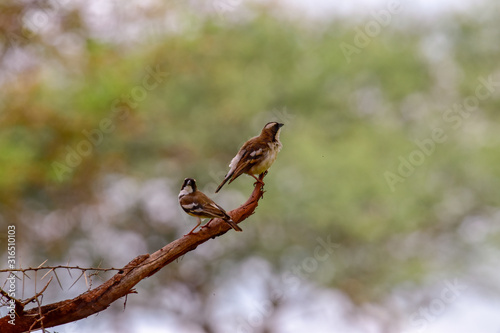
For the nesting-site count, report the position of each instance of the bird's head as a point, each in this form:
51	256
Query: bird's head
188	187
272	129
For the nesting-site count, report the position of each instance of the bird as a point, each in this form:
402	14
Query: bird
256	155
197	204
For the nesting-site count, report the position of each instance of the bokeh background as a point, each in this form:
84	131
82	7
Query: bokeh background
381	213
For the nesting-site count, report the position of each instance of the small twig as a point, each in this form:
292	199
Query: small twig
6	295
39	293
24	275
40	313
59	267
33	325
40	319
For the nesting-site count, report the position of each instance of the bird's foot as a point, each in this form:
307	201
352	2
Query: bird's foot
206	225
192	230
260	179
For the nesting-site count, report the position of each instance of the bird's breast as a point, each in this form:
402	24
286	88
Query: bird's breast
267	160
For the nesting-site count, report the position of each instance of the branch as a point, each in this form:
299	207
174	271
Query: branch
121	284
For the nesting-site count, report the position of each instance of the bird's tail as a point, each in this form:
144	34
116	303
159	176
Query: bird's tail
226	178
233	225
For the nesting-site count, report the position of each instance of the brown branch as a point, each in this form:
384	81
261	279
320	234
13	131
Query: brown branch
121	284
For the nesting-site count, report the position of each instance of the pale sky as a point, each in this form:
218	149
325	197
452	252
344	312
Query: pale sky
327	8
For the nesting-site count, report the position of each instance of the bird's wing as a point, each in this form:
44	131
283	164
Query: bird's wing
213	209
252	154
235	162
190	205
248	155
216	211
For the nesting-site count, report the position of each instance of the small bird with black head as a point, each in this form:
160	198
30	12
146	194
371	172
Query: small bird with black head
197	204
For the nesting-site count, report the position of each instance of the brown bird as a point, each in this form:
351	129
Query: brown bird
197	204
256	155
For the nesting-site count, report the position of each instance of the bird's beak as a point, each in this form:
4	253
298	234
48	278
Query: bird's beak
280	125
